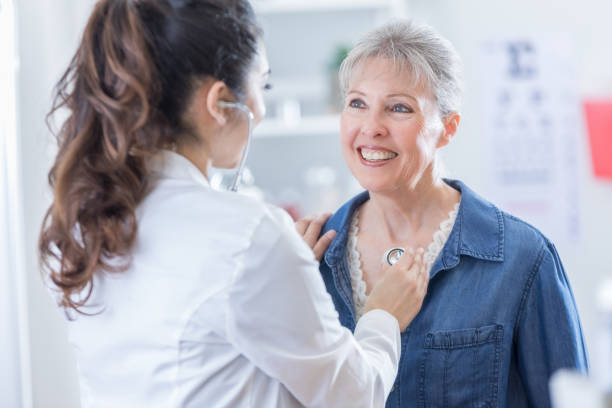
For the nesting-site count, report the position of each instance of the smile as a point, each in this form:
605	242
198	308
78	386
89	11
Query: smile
376	156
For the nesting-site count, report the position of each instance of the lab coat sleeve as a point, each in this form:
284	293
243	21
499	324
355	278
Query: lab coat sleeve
281	318
549	334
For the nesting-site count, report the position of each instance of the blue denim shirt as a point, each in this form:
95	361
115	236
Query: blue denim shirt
498	319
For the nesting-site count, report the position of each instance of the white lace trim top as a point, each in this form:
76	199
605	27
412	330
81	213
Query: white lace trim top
354	261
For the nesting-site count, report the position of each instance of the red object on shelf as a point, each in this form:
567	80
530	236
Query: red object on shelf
599	124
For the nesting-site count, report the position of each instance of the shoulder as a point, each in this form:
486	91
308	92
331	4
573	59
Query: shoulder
522	239
486	229
189	219
185	201
524	253
520	229
527	248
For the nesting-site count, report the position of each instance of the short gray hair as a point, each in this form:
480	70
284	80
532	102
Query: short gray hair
419	48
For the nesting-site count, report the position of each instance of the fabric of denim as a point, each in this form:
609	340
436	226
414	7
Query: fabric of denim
498	319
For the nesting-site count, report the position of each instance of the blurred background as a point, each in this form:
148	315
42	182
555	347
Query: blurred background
535	138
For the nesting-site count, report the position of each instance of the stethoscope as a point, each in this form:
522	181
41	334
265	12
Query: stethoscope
391	256
243	108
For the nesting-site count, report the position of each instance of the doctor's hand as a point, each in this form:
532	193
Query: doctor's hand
310	228
402	288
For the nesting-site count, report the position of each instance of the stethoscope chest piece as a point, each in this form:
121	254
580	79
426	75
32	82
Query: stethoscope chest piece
393	255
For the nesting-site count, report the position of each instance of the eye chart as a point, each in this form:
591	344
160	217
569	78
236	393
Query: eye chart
531	127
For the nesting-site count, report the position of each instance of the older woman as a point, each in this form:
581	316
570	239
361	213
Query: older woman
499	317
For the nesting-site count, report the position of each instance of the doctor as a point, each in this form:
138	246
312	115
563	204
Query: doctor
178	295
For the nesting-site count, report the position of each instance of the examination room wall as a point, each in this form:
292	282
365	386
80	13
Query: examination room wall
47	36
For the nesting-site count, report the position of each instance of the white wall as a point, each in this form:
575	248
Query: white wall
48	33
13	345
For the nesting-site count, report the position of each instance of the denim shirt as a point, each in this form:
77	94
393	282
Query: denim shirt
498	319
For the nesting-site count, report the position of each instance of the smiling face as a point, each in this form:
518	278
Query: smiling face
390	128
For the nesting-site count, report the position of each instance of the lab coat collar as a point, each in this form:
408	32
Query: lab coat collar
171	165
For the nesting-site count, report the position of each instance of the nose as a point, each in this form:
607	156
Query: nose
373	125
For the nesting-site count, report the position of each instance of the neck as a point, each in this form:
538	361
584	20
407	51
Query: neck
404	213
198	156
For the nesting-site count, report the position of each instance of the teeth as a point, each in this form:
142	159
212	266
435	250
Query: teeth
376	155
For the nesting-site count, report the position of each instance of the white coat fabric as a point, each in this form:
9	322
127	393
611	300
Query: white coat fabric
223	306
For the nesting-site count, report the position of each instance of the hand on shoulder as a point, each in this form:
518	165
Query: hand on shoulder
309	229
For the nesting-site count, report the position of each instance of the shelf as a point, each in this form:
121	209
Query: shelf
303	88
308	126
298	6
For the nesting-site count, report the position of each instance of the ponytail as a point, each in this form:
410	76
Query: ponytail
108	88
125	90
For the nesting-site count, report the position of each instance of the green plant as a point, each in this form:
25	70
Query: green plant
340	53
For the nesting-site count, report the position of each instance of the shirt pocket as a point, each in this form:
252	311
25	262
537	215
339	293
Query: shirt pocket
460	368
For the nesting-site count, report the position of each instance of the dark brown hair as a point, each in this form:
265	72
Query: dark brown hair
125	92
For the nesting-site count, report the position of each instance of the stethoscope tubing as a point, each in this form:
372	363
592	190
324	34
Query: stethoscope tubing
245	152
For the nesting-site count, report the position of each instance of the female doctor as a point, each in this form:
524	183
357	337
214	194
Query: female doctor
176	294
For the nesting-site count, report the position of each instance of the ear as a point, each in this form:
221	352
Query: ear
451	124
218	91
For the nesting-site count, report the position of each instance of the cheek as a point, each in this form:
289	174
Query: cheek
255	102
259	110
348	132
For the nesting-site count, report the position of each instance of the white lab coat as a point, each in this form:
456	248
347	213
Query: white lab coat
223	306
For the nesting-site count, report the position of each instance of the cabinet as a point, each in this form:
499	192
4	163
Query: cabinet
295	157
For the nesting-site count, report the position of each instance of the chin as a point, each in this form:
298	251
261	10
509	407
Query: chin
375	185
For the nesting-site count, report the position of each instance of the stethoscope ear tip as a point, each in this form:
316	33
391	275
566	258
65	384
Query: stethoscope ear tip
236	105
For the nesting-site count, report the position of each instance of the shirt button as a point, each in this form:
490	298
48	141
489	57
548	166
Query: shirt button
393	388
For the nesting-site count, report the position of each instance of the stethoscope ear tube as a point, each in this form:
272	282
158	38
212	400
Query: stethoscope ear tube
245	152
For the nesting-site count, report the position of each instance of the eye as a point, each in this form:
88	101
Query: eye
401	108
267	86
356	103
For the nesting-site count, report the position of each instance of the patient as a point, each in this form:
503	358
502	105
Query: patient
499	317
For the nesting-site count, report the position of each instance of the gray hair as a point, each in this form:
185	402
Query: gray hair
417	47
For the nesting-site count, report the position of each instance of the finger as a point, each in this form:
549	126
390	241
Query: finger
417	264
424	277
414	269
407	260
302	225
323	243
313	231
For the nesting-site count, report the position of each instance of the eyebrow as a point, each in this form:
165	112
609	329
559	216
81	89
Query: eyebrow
401	94
388	96
268	72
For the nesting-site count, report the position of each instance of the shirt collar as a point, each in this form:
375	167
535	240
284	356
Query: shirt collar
478	231
168	164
